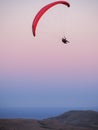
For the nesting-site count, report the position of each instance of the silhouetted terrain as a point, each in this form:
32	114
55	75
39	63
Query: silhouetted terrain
72	120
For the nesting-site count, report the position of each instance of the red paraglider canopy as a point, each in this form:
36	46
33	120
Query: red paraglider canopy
42	11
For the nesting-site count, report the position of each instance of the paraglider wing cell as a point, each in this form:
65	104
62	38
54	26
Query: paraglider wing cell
42	11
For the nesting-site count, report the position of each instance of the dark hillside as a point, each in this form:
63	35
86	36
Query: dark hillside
72	120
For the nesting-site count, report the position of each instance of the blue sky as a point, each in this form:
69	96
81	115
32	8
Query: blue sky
40	71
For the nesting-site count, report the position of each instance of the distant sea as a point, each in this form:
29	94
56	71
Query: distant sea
36	113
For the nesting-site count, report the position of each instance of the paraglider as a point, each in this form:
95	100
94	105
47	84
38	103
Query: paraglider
64	40
42	11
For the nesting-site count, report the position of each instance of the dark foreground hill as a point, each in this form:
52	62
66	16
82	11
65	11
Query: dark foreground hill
72	120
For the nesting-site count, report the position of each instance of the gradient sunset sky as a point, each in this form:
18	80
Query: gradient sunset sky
41	71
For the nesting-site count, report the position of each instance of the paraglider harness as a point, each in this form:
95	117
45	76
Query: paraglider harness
64	40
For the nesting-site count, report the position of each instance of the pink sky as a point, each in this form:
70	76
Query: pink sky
45	58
